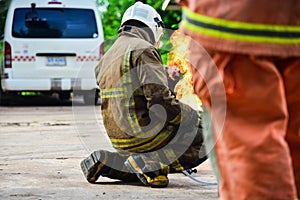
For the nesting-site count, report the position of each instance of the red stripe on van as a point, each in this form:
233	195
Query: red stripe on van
87	58
23	59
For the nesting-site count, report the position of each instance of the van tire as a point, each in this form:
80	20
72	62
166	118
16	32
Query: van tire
4	101
91	97
1	97
64	96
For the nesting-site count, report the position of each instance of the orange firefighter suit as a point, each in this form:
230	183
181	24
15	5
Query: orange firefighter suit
255	46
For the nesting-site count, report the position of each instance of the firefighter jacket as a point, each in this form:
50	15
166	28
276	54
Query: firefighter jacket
257	27
139	112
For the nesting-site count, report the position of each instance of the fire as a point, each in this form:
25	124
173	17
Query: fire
178	62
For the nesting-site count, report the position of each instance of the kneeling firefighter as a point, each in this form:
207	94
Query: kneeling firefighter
153	133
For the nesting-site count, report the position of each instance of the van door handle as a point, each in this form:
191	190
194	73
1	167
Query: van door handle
56	54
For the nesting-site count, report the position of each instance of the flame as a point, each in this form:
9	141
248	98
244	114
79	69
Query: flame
178	62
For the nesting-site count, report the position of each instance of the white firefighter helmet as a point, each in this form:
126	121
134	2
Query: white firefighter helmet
146	14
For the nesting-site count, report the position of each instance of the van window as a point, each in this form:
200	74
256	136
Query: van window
54	23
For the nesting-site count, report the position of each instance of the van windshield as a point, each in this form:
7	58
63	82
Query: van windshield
54	23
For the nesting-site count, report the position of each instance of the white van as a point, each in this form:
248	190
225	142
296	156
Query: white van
52	46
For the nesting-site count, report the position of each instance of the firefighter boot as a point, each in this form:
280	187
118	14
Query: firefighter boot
149	172
107	164
94	165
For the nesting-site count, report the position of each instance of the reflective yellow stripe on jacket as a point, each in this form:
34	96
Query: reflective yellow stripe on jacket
240	31
145	140
147	144
130	103
118	92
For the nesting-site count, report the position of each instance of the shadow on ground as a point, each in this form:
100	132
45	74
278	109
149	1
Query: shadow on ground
39	100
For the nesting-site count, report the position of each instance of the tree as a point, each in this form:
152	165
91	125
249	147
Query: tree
114	10
3	10
111	18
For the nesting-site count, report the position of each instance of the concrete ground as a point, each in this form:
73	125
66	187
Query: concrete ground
42	143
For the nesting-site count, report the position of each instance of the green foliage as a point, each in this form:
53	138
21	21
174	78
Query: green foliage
1	53
3	10
111	18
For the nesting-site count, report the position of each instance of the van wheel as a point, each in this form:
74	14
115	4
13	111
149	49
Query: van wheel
91	97
64	96
3	98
